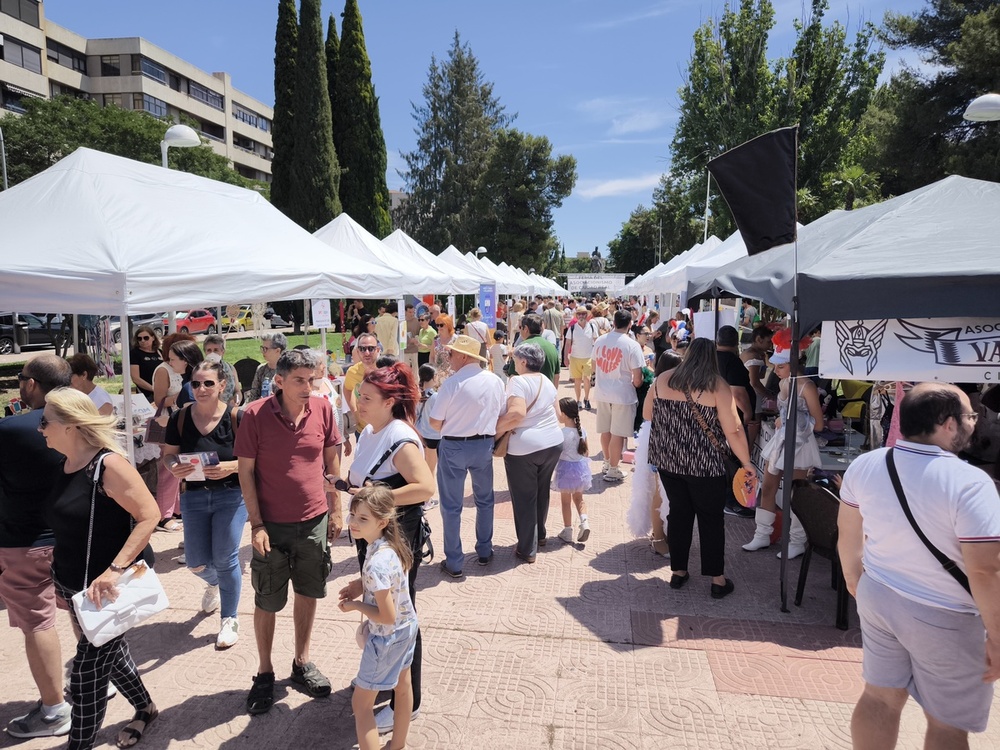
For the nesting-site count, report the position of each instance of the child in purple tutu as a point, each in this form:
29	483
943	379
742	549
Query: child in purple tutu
572	477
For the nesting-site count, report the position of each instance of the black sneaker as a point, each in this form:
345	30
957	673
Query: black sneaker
449	572
485	560
586	405
735	509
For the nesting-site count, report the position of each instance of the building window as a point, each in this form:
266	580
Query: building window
22	55
213	131
155	107
23	10
111	65
146	67
202	94
58	89
67	57
175	82
113	100
251	118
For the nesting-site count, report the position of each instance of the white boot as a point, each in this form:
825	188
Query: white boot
765	527
796	539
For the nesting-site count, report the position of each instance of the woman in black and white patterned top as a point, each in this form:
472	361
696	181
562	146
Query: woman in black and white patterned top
690	466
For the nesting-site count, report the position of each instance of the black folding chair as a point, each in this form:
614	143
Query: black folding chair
817	508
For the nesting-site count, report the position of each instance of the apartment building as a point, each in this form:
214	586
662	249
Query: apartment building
41	59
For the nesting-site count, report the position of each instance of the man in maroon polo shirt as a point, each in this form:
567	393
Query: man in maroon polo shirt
285	444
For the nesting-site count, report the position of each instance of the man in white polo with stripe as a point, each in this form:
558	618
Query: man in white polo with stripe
926	632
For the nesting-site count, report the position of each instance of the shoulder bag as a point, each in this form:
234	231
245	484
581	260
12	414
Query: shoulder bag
502	442
140	593
946	562
744	488
156	430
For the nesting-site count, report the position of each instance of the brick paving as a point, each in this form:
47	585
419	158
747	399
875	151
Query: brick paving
586	649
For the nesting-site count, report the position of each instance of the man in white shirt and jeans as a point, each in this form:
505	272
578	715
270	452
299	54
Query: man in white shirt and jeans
923	633
465	411
581	336
618	368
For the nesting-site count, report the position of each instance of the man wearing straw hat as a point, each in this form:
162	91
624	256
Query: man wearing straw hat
465	411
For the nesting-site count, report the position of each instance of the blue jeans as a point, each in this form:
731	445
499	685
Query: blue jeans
213	526
455	458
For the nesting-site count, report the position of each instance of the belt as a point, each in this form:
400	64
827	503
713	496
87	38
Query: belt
470	437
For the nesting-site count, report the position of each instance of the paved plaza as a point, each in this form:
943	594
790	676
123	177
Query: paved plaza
587	649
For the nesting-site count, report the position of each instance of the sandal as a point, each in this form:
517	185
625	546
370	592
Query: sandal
130	735
169	524
312	679
652	545
261	696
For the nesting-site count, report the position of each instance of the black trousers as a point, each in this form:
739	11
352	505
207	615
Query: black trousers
529	478
409	518
704	499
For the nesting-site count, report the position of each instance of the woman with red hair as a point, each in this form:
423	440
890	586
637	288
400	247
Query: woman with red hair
391	452
809	421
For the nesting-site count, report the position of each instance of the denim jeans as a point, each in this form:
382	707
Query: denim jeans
455	458
213	526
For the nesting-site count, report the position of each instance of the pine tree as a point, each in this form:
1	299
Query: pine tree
358	131
286	37
456	126
332	56
314	200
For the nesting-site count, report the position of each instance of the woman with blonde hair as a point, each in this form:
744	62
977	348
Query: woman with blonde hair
479	331
96	479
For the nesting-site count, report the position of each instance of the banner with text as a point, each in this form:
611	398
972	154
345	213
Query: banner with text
609	283
488	304
951	350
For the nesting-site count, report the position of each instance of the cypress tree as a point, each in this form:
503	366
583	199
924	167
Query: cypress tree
314	200
358	131
286	37
332	56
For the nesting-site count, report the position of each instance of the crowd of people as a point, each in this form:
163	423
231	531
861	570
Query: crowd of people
417	420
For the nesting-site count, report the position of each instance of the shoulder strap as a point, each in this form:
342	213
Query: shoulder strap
703	423
946	562
541	384
236	416
385	456
180	419
90	530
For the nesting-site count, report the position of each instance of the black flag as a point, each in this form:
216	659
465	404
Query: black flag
757	179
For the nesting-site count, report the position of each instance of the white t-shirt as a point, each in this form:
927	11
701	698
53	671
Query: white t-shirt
383	571
571	445
99	396
582	338
951	501
540	428
469	401
615	356
372	445
478	330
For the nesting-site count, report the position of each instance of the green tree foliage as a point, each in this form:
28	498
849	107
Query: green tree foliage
332	56
313	200
456	125
734	93
286	41
357	130
54	128
916	128
514	198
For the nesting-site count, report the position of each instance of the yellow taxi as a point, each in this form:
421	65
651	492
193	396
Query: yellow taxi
241	322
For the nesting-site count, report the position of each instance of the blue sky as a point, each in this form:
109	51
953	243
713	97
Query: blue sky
599	79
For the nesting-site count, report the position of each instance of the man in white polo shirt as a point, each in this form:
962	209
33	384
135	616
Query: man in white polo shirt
923	633
618	369
465	411
581	336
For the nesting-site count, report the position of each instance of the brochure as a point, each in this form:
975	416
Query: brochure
199	461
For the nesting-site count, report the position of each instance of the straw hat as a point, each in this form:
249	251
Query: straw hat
466	345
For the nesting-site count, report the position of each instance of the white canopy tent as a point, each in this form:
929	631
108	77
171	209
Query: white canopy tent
507	282
406	249
672	277
454	259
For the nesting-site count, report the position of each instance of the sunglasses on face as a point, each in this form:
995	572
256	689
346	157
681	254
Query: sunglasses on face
144	338
367	348
43	423
202	383
22	377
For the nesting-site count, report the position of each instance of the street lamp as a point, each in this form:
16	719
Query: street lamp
480	251
3	160
985	108
178	136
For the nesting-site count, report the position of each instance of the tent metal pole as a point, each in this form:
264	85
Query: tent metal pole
708	195
401	326
127	379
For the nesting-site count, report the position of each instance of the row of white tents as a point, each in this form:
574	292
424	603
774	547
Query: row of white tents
103	235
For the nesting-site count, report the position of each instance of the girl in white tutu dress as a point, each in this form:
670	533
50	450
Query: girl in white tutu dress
572	477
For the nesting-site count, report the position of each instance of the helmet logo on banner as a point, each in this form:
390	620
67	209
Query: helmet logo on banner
860	342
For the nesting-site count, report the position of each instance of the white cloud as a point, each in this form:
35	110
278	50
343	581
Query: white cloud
653	11
590	189
627	115
638	122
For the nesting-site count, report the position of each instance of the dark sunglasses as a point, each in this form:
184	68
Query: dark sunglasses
367	348
202	384
22	376
144	338
43	423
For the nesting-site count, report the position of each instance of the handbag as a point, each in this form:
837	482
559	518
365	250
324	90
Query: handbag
744	485
156	430
946	562
140	593
502	443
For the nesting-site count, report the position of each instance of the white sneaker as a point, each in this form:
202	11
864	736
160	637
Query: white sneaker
181	559
605	467
210	600
584	534
614	474
229	633
432	503
385	717
566	534
35	724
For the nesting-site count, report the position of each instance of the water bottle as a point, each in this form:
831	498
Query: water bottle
265	388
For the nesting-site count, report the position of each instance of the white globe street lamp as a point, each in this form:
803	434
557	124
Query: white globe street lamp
178	136
984	108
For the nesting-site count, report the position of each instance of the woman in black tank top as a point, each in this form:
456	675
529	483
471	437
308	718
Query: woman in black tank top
686	405
125	515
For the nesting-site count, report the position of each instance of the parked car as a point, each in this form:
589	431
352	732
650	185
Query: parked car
277	321
194	321
154	321
33	330
242	322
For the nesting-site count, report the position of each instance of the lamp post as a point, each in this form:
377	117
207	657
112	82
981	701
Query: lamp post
178	136
3	161
985	108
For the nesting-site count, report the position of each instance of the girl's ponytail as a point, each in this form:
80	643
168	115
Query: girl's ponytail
581	447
